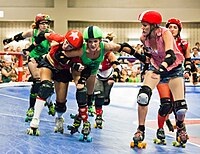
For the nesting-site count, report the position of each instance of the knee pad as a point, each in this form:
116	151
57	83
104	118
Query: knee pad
144	95
46	89
60	107
81	96
165	107
99	99
180	109
35	86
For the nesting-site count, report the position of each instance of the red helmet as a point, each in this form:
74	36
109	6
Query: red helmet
40	17
150	16
75	38
174	21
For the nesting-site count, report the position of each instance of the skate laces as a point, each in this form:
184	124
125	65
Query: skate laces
160	133
182	134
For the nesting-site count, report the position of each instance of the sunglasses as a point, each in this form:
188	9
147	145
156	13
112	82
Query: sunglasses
44	23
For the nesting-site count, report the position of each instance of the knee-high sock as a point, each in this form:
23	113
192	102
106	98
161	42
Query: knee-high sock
39	105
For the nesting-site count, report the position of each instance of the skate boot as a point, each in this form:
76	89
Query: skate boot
91	111
51	108
33	130
99	122
169	125
181	137
85	132
59	125
29	114
74	128
160	137
138	140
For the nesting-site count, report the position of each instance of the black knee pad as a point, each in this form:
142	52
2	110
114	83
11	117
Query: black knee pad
165	107
180	108
99	100
60	107
46	89
35	86
144	95
81	96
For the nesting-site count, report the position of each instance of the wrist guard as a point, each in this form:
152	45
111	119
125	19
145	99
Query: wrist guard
19	37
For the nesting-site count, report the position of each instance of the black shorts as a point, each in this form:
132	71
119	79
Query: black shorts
59	75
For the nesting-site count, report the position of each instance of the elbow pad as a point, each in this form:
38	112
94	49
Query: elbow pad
18	37
170	60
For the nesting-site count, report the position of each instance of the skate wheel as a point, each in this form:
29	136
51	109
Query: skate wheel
55	130
175	143
89	139
81	138
37	132
141	145
95	125
26	119
184	145
29	131
132	144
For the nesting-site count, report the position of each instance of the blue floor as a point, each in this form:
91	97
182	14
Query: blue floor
115	137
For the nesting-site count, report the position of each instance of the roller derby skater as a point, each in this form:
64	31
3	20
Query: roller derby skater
56	67
165	62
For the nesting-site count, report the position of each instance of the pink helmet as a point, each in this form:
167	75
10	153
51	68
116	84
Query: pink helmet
40	17
174	21
150	16
75	38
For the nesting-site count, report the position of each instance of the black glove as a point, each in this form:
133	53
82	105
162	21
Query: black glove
40	38
76	66
161	70
187	70
7	40
29	49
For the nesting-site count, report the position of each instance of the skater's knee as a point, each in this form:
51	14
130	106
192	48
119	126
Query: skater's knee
180	108
46	89
35	86
81	96
144	95
60	107
165	107
99	99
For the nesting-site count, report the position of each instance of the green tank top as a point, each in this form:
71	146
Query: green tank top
93	63
41	49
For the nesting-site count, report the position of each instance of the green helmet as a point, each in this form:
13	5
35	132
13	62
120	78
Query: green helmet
92	32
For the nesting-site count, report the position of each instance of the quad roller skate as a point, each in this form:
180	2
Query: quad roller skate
77	122
99	122
33	130
91	111
59	125
170	126
181	137
29	114
138	140
51	108
160	137
85	132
